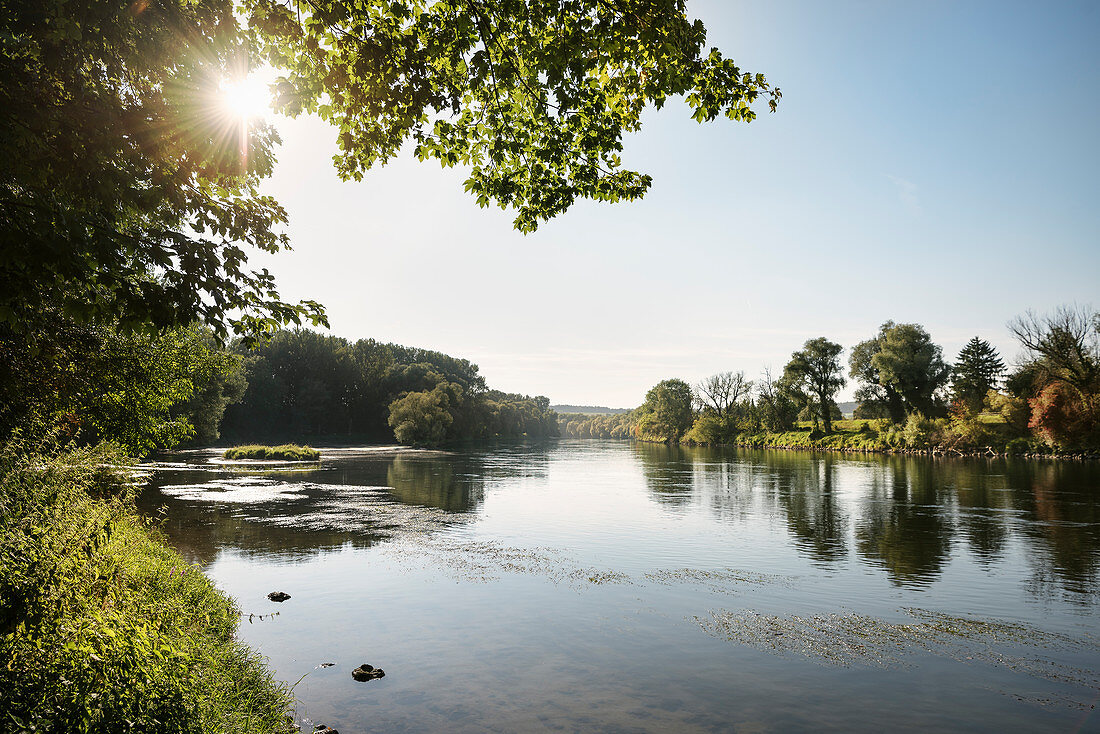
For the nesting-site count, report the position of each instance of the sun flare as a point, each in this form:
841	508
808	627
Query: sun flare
246	98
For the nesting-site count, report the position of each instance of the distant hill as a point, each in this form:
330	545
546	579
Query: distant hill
846	409
589	409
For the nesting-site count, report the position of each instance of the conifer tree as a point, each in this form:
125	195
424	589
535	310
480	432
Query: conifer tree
977	371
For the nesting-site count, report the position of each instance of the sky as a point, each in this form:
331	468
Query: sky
931	162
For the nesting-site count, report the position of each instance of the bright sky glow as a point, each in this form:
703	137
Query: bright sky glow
930	162
245	99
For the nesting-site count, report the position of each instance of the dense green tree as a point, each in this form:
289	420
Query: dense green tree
90	383
812	410
666	414
128	193
900	369
876	399
579	425
422	418
815	372
977	371
1025	381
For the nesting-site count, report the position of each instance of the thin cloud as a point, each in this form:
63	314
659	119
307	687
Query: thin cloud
907	193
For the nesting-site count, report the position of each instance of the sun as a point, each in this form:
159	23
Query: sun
245	98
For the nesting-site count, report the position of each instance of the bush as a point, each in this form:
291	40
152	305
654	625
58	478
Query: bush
919	432
711	430
288	451
102	627
1019	445
969	431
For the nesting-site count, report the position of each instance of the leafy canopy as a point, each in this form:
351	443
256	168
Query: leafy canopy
900	370
533	96
815	372
126	193
129	194
90	383
666	414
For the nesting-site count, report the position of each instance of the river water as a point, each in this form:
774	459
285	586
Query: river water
605	586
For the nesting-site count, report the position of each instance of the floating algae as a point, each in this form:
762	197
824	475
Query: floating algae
848	639
854	639
479	561
724	581
599	576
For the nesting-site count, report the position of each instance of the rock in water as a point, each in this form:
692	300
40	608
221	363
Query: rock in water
367	672
278	596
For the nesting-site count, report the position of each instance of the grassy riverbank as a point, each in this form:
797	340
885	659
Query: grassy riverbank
918	435
102	626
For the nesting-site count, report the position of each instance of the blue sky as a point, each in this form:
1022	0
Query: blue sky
931	162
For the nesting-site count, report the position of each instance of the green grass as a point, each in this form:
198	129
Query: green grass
289	451
842	439
102	626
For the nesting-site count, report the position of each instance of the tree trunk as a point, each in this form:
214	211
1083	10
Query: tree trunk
826	414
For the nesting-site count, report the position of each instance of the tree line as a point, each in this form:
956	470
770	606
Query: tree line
907	394
305	384
146	391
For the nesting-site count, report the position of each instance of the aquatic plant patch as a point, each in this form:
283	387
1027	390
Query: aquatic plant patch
287	452
850	639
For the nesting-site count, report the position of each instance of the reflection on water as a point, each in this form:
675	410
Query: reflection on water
526	566
436	481
906	523
904	513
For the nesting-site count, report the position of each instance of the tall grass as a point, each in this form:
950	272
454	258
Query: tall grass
289	451
102	626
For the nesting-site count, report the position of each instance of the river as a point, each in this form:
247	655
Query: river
610	586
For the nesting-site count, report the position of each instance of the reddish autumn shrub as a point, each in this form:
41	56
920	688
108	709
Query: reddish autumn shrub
1060	417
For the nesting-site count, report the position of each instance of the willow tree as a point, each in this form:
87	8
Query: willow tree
815	372
900	369
126	193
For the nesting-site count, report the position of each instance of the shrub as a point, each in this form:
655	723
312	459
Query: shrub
711	430
1019	445
1060	417
918	431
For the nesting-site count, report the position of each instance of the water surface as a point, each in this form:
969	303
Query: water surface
611	586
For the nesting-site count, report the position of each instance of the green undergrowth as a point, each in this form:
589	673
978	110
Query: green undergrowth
288	451
808	439
917	433
103	628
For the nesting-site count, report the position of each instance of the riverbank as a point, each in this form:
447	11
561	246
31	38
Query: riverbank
102	625
868	437
775	442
